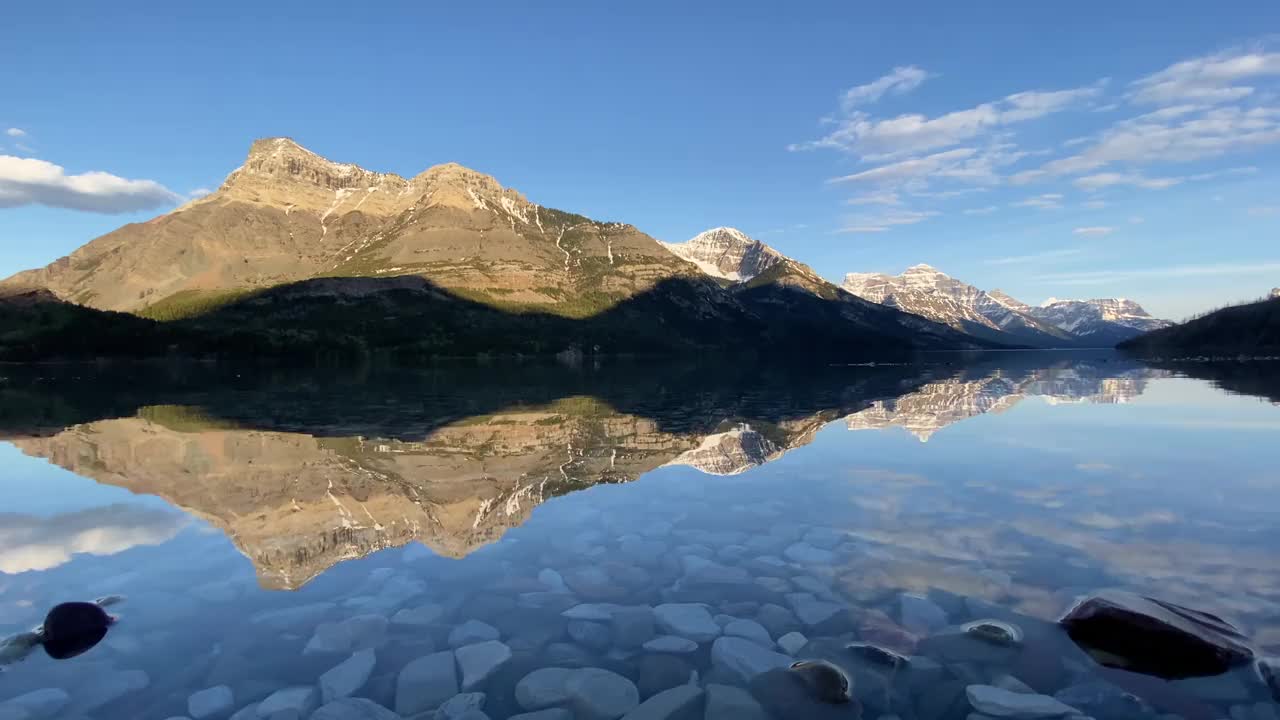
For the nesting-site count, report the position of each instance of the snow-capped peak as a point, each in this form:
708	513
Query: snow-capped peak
727	253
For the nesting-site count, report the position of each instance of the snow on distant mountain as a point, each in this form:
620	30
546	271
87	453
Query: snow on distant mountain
994	315
727	253
1275	292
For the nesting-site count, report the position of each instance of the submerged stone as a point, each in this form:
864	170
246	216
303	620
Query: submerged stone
994	631
1149	636
998	702
827	683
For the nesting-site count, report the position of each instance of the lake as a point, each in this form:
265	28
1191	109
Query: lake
412	537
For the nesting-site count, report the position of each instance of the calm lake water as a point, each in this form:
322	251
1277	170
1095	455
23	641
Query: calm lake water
266	528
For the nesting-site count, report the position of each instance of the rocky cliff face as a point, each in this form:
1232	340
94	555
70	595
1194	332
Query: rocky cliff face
288	214
930	293
727	253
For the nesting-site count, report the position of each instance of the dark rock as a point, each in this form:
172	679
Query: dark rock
1269	672
74	627
1104	701
632	626
785	695
1153	637
659	672
958	647
825	681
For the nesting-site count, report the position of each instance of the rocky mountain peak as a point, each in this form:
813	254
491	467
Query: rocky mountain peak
727	253
282	158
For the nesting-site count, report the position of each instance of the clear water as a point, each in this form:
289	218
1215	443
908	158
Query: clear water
249	516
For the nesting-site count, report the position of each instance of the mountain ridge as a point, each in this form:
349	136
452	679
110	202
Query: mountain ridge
995	315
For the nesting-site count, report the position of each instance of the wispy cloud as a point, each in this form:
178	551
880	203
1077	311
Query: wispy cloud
28	181
1035	257
1094	204
199	193
1215	78
1102	277
1094	230
879	198
899	81
1099	181
15	132
883	222
28	542
1264	210
1044	201
981	211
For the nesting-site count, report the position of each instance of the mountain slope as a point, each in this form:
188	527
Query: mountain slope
288	214
1253	328
994	315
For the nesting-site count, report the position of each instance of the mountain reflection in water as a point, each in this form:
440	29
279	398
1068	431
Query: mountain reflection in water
1014	502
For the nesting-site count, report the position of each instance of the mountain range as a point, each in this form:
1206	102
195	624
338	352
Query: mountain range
925	291
297	254
295	251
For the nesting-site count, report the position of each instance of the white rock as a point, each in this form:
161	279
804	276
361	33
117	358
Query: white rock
472	631
810	610
552	580
480	660
302	700
670	644
347	677
426	682
420	616
210	702
459	705
751	630
792	642
544	688
293	617
353	709
921	615
597	694
672	703
998	702
598	612
687	620
744	659
807	554
355	633
38	704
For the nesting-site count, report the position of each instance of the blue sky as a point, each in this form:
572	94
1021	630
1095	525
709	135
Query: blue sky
1090	150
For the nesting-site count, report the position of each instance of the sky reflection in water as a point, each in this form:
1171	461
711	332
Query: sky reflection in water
1023	484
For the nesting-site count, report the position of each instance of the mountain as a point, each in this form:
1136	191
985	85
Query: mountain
930	293
288	214
1100	322
1249	329
295	252
971	393
801	303
727	253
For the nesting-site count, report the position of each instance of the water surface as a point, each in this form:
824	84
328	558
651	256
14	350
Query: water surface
265	526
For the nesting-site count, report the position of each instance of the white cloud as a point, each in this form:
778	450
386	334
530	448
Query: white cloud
1035	257
881	223
199	193
1093	183
15	132
879	198
1094	230
1101	277
29	542
28	181
1145	140
1210	79
1136	220
981	211
901	80
1264	210
1044	201
1094	204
